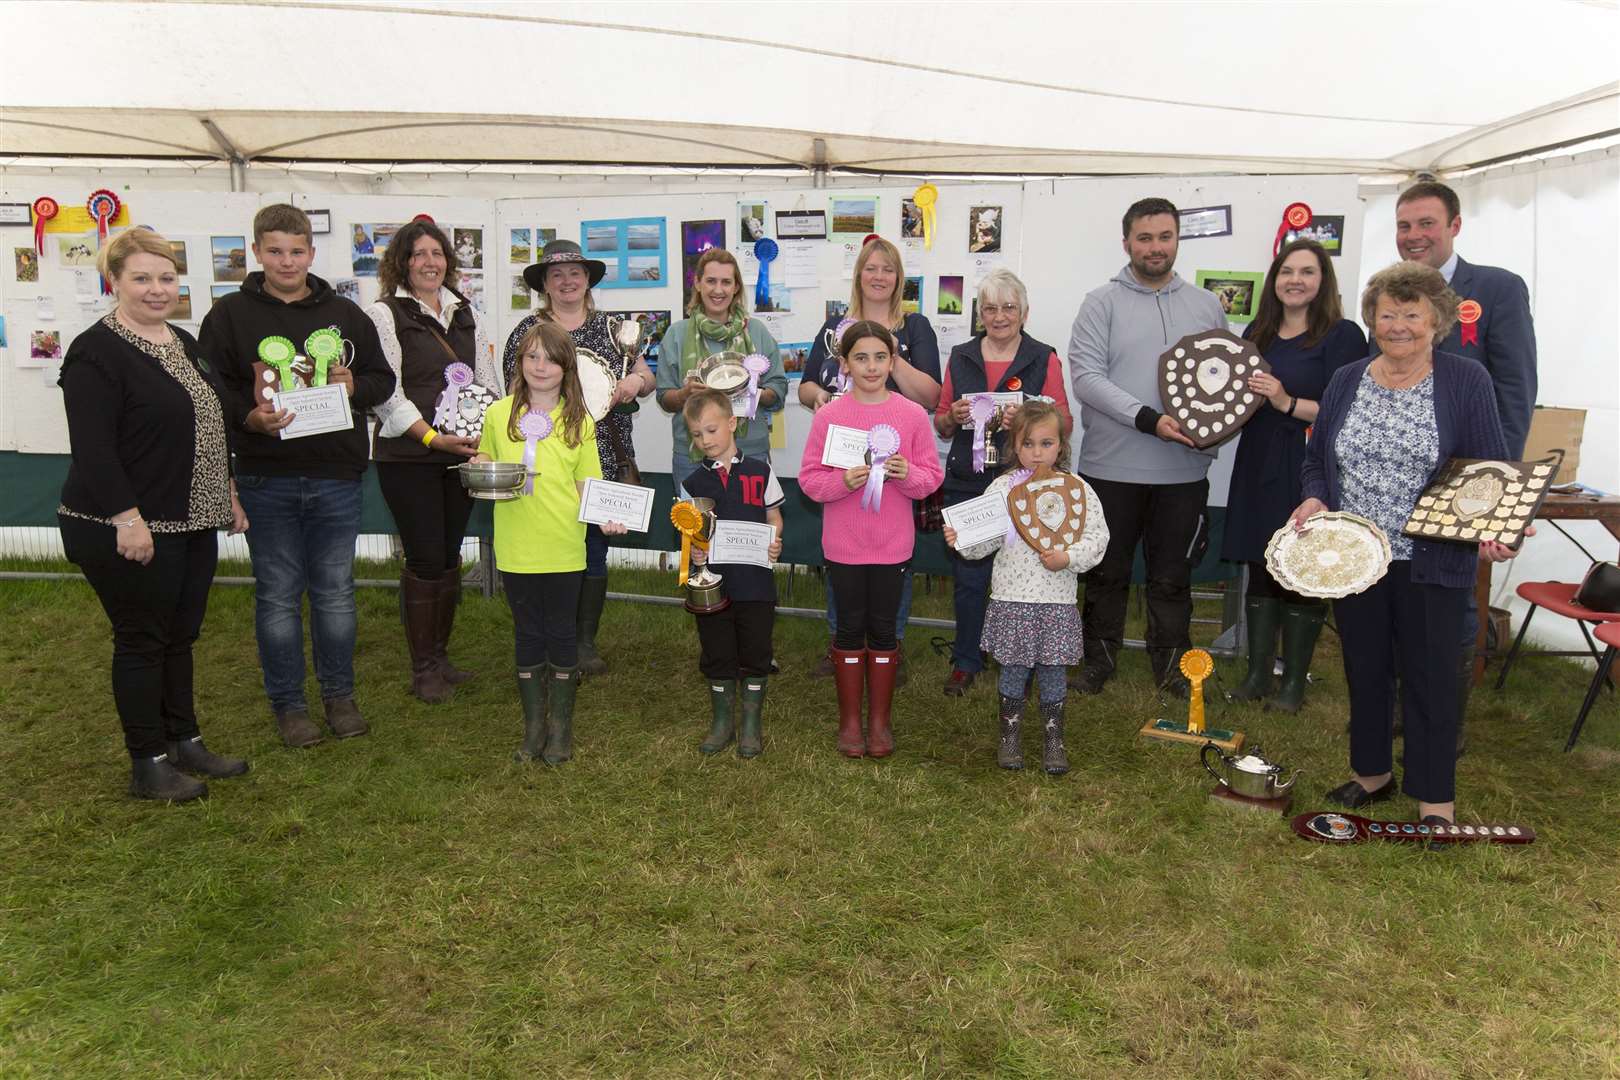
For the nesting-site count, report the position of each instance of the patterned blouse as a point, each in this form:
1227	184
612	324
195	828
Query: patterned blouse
1388	448
209	504
613	430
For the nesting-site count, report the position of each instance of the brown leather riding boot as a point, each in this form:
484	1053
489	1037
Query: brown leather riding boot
449	584
421	602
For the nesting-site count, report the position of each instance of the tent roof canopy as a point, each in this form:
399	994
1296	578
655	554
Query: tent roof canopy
1009	88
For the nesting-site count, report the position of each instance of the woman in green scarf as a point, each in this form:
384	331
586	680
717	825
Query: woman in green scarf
717	321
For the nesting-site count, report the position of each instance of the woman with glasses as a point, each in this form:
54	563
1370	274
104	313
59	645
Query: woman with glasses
1007	361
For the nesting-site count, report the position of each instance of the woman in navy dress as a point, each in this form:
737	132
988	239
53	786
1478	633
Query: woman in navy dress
1301	331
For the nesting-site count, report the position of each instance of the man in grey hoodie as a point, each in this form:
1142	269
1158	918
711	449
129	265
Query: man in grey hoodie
1151	481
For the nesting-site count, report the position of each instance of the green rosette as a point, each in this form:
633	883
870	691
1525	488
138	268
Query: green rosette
324	348
278	352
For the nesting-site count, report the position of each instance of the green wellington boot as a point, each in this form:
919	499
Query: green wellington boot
592	598
1301	624
723	728
750	743
532	692
561	687
1262	614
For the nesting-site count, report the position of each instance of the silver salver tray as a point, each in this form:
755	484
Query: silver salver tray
1338	555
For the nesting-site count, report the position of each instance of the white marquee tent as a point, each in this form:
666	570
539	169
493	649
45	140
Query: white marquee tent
1009	88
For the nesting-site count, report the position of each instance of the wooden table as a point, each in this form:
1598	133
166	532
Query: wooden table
1604	508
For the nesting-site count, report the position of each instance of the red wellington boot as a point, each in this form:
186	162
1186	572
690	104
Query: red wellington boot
882	666
849	675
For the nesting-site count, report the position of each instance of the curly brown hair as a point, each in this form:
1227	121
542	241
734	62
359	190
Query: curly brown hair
1031	413
1407	283
394	268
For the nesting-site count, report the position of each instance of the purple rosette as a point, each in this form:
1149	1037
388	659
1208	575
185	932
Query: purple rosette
882	443
533	427
456	376
756	364
981	408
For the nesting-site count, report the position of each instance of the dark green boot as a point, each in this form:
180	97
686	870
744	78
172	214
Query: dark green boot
592	598
1262	613
561	686
532	692
722	729
749	742
1301	624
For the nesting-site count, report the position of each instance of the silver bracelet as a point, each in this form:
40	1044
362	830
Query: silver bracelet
136	520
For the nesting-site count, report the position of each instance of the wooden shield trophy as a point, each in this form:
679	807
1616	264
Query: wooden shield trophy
1048	509
1204	384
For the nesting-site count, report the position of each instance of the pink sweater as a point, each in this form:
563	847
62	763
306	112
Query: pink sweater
850	534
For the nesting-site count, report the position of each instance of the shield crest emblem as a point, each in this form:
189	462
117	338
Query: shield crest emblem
1204	385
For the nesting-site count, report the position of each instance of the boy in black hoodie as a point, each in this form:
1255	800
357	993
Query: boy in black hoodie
301	495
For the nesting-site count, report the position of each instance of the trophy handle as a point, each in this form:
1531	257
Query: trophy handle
1203	756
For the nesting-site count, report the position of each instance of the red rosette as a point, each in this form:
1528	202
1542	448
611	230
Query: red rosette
1296	216
1015	383
45	208
1468	314
425	217
871	236
103	206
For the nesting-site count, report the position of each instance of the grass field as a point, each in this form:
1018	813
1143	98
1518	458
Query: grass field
414	904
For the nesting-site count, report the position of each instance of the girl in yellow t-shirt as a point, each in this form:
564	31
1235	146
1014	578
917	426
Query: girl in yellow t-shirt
539	541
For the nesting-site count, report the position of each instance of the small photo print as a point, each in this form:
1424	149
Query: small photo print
950	295
230	257
911	295
181	264
348	288
520	249
794	354
519	296
1325	229
978	323
182	309
837	309
854	217
644	267
469	245
911	221
216	293
45	345
984	229
602	238
751	218
542	237
1237	290
470	283
26	260
77	250
645	238
781	300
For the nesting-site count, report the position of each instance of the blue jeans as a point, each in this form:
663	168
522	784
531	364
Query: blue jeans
971	598
302	538
900	616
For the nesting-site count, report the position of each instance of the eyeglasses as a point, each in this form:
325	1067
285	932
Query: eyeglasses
1000	309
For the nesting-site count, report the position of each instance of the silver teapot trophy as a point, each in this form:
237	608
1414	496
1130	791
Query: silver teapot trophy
1249	781
694	520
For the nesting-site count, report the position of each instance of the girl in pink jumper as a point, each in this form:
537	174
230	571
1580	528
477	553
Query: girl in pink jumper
866	529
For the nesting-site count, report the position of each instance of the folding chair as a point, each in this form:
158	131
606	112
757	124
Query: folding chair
1559	597
1609	634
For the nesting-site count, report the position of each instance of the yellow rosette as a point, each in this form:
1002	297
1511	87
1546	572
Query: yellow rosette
1197	665
924	199
688	521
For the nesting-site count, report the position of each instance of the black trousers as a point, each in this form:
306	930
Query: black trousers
156	613
868	598
1168	520
1414	631
430	509
543	608
736	642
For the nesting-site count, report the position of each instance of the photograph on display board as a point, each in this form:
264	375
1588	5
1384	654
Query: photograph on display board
837	309
2	332
181	263
654	324
219	292
45	345
26	261
751	219
1237	290
1202	222
520	249
632	249
76	250
367	247
950	295
984	229
978	323
781	300
1325	229
696	238
911	295
471	285
230	257
469	245
911	221
519	297
854	218
182	309
794	354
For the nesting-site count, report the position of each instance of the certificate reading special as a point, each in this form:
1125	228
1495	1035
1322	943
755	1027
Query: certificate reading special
742	542
316	410
846	447
604	502
978	519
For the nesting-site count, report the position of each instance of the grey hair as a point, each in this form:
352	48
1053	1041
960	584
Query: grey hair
1002	282
1407	283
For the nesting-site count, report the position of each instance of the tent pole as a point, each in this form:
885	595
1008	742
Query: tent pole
231	153
818	169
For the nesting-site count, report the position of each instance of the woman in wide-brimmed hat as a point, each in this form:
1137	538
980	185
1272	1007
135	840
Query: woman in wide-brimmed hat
564	278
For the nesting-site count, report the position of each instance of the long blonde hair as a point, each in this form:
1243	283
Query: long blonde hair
878	246
554	342
739	302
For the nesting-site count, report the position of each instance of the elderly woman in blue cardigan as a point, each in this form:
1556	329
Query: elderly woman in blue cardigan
1384	428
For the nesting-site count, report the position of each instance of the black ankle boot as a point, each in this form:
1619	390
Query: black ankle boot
156	778
193	757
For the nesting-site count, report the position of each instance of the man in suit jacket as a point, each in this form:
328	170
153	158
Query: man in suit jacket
1494	324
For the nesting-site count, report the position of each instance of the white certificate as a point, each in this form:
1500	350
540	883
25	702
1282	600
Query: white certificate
741	542
846	447
978	519
605	502
1002	398
316	410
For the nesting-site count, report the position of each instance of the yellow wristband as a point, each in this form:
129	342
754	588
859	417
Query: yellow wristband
427	440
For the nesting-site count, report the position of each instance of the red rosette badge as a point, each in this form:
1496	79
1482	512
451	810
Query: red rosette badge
45	208
1468	313
1296	217
103	206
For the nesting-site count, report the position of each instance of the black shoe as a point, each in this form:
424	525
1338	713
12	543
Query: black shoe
1435	821
1176	686
1090	680
1354	796
192	756
156	778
